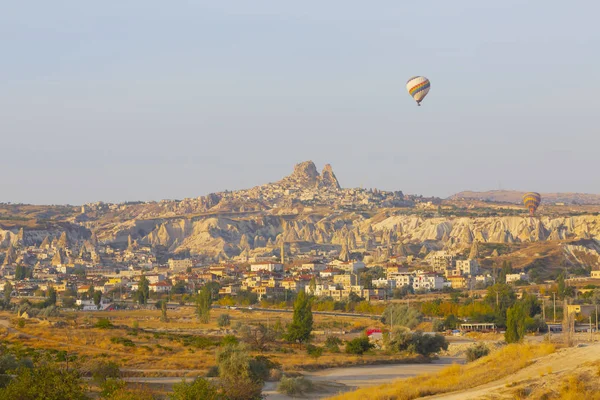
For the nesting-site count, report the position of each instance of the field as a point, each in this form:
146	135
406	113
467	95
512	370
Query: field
144	345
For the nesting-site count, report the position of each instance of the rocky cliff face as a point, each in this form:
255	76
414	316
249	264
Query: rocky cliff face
226	237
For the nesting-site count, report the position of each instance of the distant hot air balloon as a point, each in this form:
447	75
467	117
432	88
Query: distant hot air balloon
418	87
532	201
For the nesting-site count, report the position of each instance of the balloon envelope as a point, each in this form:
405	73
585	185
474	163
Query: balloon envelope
418	87
532	201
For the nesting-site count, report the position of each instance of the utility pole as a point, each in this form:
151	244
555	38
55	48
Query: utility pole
591	337
554	296
497	299
544	309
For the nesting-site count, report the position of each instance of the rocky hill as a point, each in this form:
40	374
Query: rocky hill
512	196
311	214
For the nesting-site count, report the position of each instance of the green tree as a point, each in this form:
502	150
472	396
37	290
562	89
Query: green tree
45	382
143	292
97	298
224	320
51	300
203	303
8	288
199	388
237	377
402	315
300	329
359	345
515	324
90	292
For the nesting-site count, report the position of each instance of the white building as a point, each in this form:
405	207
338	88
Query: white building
266	266
428	282
88	305
521	276
383	283
160	287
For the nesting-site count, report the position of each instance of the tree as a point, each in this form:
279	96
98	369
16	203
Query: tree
90	292
143	292
46	382
179	288
258	337
300	329
199	388
8	288
515	324
402	339
97	298
359	345
162	304
237	377
224	320
51	300
403	315
203	303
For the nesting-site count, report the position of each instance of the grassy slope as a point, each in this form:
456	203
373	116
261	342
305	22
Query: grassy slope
501	363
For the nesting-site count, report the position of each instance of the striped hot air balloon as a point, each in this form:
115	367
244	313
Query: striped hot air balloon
418	87
532	201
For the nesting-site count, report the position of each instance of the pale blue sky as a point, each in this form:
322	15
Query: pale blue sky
145	100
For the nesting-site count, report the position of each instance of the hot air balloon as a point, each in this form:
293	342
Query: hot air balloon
418	87
532	201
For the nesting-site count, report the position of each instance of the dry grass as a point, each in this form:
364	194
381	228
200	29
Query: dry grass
157	349
499	364
583	383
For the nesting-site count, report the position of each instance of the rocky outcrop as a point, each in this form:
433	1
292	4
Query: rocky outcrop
328	178
305	175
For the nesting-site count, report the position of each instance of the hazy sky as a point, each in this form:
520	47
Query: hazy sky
145	100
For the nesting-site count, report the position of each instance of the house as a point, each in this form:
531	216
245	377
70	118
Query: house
458	281
314	266
585	310
160	287
89	305
596	274
180	265
266	266
521	276
467	267
383	283
428	281
345	280
348	266
229	290
441	260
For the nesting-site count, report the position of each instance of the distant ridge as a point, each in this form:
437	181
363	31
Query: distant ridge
514	196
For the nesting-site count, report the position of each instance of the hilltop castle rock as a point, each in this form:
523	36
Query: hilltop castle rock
306	176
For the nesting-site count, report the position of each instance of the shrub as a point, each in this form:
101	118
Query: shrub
332	344
229	339
224	320
104	370
213	372
314	351
21	323
104	323
200	388
359	345
402	315
477	351
419	343
294	386
121	340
